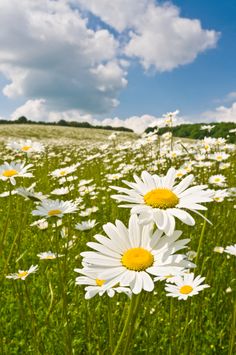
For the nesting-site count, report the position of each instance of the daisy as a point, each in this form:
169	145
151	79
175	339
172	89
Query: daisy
158	199
65	171
231	250
10	171
217	180
218	249
48	255
86	225
26	146
185	286
29	193
22	274
96	286
130	256
54	208
62	191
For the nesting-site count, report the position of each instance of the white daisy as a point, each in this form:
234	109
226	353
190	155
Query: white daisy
96	286
130	256
157	199
54	208
29	193
48	255
185	286
86	225
219	250
22	274
65	171
26	146
10	171
231	249
217	180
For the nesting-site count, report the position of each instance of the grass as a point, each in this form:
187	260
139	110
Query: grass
47	313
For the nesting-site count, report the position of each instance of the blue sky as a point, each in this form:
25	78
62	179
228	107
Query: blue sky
122	63
195	87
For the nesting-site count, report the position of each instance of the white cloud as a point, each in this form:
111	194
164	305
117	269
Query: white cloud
53	57
222	114
159	37
37	110
47	51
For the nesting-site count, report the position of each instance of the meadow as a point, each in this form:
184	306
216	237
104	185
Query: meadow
44	310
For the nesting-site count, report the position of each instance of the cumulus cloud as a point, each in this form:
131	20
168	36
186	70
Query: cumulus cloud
47	51
158	36
36	110
56	58
222	114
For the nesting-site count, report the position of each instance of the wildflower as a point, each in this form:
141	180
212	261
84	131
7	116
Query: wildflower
29	193
218	250
62	191
48	255
22	274
96	285
86	225
207	127
65	171
231	249
14	170
26	146
40	223
218	180
130	256
185	286
157	199
54	208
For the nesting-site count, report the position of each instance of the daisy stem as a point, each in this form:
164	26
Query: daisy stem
232	334
33	318
127	324
200	240
132	325
110	324
7	221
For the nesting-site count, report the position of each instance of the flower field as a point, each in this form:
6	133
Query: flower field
113	243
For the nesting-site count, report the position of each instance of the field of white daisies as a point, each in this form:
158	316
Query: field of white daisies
113	243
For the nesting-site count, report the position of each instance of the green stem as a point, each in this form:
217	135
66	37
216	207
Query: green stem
7	221
232	335
127	324
200	240
132	325
110	324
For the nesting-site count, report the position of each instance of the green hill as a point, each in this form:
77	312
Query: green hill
194	131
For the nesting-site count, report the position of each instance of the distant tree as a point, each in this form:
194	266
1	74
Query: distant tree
21	119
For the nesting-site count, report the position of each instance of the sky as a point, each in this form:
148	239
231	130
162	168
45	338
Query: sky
118	62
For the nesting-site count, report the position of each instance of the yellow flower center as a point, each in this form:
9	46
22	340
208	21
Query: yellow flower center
100	282
54	212
22	274
161	198
50	257
217	179
26	148
186	289
63	172
9	173
137	259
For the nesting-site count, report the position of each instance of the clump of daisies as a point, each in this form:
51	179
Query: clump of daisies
148	250
131	259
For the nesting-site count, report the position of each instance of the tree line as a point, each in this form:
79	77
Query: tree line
24	120
194	131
